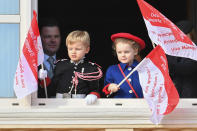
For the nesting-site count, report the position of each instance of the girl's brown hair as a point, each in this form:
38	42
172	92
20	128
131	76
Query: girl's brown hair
133	44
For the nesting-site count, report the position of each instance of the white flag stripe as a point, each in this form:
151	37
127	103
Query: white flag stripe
152	82
40	51
164	36
26	79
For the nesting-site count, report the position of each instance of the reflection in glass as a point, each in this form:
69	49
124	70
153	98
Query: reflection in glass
9	55
9	7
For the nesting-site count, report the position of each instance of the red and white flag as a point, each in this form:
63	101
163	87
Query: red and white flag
26	76
158	88
166	34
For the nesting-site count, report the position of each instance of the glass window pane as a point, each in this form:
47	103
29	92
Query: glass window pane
9	55
8	7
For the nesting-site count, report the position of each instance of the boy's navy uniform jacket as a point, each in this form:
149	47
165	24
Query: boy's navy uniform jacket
65	72
114	75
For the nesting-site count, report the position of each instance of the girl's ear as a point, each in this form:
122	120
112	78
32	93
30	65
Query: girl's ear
136	51
138	58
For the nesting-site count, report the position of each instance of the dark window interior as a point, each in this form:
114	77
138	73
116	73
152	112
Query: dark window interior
103	18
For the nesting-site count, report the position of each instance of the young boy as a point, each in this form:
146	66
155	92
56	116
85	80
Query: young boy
126	47
77	78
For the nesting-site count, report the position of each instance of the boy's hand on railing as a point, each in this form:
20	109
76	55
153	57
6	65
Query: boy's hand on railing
90	99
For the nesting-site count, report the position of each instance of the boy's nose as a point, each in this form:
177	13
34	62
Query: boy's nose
123	54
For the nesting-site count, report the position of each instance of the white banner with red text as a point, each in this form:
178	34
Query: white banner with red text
166	34
158	88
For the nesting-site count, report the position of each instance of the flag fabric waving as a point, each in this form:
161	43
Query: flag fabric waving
158	88
166	34
26	76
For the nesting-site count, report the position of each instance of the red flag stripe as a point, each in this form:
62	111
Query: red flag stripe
34	26
30	54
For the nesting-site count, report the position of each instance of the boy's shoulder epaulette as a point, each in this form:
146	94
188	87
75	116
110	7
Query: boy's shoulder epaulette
92	63
61	66
60	60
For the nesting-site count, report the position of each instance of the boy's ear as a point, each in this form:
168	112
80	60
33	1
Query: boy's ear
87	49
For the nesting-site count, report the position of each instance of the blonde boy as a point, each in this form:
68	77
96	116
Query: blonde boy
77	78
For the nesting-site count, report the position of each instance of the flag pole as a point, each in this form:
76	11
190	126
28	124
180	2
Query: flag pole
45	87
134	68
153	44
128	75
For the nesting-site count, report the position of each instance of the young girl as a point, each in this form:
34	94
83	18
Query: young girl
127	47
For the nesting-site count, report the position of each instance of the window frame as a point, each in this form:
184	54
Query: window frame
32	111
51	101
23	19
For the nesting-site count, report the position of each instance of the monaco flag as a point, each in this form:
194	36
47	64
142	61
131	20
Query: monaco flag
158	88
26	77
164	33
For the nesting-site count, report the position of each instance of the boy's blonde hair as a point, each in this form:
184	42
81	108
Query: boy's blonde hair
133	44
78	36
